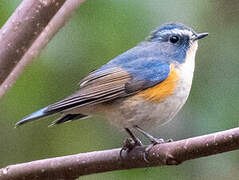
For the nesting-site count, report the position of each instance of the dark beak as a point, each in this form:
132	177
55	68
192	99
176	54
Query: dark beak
200	36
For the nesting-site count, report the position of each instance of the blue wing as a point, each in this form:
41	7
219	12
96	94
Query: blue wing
147	64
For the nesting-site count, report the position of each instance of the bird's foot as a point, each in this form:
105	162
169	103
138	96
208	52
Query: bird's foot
130	143
154	141
169	140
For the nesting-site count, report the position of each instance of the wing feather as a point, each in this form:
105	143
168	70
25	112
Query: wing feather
95	89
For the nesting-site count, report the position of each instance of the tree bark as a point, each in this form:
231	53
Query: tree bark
172	153
27	32
21	29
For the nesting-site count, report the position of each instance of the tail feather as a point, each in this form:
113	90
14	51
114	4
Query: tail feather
36	115
44	112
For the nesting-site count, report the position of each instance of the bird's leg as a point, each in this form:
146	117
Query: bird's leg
153	140
134	138
150	137
131	142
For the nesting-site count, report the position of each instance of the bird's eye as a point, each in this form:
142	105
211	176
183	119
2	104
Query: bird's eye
174	39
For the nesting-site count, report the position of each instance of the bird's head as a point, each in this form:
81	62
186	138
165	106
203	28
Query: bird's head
176	40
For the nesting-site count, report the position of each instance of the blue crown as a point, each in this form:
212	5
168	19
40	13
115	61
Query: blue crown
168	27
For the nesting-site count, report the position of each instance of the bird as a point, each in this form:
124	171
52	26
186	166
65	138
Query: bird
139	89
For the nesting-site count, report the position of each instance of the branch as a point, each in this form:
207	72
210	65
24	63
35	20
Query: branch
26	32
173	153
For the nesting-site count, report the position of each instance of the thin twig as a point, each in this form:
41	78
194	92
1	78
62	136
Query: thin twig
27	32
172	153
21	30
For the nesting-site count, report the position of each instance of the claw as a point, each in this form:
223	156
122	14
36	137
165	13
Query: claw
130	144
146	152
157	141
169	140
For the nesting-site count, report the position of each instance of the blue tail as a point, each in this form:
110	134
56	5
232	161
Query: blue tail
36	115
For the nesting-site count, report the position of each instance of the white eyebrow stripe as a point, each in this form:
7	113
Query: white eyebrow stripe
178	31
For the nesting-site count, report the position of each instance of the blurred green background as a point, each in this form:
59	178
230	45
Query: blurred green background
99	31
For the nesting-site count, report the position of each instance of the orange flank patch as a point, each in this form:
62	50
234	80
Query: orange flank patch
163	89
